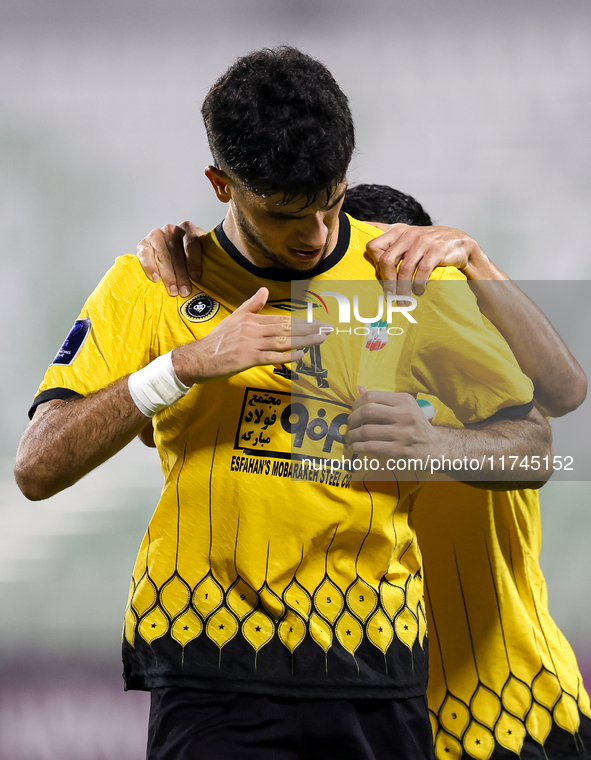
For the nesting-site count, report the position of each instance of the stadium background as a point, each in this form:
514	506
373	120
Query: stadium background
482	110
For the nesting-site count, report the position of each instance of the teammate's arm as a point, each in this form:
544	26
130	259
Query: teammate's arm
404	252
172	254
392	425
560	384
67	439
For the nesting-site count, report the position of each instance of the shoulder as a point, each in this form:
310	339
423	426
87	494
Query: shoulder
127	281
362	232
128	267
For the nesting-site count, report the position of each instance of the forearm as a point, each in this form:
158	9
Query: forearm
67	439
560	385
502	450
392	426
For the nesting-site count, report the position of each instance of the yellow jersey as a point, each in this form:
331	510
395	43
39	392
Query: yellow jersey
502	677
258	572
501	674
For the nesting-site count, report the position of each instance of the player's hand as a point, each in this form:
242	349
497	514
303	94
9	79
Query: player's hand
404	252
246	339
389	426
173	254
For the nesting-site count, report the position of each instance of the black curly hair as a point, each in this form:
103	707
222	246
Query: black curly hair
381	203
279	122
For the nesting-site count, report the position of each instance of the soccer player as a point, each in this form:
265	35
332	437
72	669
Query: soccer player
273	611
502	676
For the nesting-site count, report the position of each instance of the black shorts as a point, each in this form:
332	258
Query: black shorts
189	724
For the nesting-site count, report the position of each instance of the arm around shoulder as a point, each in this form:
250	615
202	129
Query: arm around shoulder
560	384
506	443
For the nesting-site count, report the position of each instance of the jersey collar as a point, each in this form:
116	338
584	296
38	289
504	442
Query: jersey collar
285	275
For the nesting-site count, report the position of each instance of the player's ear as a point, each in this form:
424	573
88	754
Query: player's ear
220	182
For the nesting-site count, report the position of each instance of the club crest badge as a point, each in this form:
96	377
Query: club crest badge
200	308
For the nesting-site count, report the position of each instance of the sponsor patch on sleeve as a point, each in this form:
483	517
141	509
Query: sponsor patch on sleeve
73	343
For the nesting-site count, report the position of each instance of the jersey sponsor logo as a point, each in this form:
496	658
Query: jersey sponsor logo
73	343
200	308
290	425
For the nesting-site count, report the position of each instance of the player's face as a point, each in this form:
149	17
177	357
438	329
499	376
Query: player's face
288	236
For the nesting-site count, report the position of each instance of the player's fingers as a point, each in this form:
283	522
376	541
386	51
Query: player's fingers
372	414
279	357
371	433
376	247
162	243
191	230
386	272
266	325
183	281
193	250
272	324
275	323
387	266
424	270
409	263
404	255
386	398
310	339
301	327
373	447
418	286
396	252
253	304
147	258
404	288
288	343
406	271
390	287
173	263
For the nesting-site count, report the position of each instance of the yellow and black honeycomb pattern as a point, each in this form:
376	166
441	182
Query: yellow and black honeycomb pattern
492	720
325	614
503	680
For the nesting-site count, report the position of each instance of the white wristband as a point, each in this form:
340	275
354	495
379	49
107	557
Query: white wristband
156	386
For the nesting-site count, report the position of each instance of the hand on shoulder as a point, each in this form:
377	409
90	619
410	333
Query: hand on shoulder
172	254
